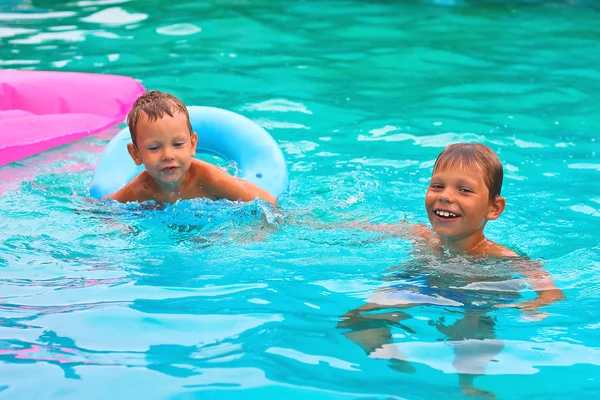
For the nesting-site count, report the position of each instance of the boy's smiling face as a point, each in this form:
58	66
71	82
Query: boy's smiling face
458	204
165	147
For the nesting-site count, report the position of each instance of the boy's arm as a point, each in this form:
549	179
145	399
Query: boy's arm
401	229
130	193
542	283
136	190
122	196
225	186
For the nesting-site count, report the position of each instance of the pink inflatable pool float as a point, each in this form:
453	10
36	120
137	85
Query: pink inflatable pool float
41	110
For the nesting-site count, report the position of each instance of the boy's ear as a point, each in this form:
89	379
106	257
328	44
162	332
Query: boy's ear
194	143
133	152
497	208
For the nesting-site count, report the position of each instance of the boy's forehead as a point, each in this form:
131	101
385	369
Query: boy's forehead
154	117
148	121
470	171
166	125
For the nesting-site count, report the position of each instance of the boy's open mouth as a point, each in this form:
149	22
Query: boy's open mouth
445	215
169	169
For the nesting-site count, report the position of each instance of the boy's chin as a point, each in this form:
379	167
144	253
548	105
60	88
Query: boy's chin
447	233
166	180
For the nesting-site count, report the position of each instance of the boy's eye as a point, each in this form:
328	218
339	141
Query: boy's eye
153	148
466	190
179	144
436	186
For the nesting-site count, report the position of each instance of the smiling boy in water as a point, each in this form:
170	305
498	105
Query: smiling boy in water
462	197
164	142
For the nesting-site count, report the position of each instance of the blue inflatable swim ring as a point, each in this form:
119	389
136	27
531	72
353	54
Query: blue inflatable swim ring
220	132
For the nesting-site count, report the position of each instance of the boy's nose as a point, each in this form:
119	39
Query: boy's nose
446	197
167	154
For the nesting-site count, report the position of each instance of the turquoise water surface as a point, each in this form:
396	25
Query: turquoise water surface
244	301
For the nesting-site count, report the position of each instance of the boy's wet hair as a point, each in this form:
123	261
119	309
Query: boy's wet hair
155	105
475	157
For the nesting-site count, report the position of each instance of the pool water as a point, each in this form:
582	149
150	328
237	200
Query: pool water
221	300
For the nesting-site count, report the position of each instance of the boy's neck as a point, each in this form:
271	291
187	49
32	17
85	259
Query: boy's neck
467	245
170	190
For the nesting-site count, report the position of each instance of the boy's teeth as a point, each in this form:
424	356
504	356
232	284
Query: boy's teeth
446	214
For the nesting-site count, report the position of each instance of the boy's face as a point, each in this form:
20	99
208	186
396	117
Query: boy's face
165	147
458	204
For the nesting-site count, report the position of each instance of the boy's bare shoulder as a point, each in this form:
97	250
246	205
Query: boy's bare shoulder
204	171
220	184
211	176
124	195
496	250
136	190
421	231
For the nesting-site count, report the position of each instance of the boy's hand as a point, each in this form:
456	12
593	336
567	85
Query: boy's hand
527	306
530	307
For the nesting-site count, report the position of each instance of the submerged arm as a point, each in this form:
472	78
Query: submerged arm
542	283
401	229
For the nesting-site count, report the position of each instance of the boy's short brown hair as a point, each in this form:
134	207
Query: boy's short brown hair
155	105
476	157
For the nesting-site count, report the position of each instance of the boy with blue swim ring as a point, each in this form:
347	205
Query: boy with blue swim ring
455	271
164	142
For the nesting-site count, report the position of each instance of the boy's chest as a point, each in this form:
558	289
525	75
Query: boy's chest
186	193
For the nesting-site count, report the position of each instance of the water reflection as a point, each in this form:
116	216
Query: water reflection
464	293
